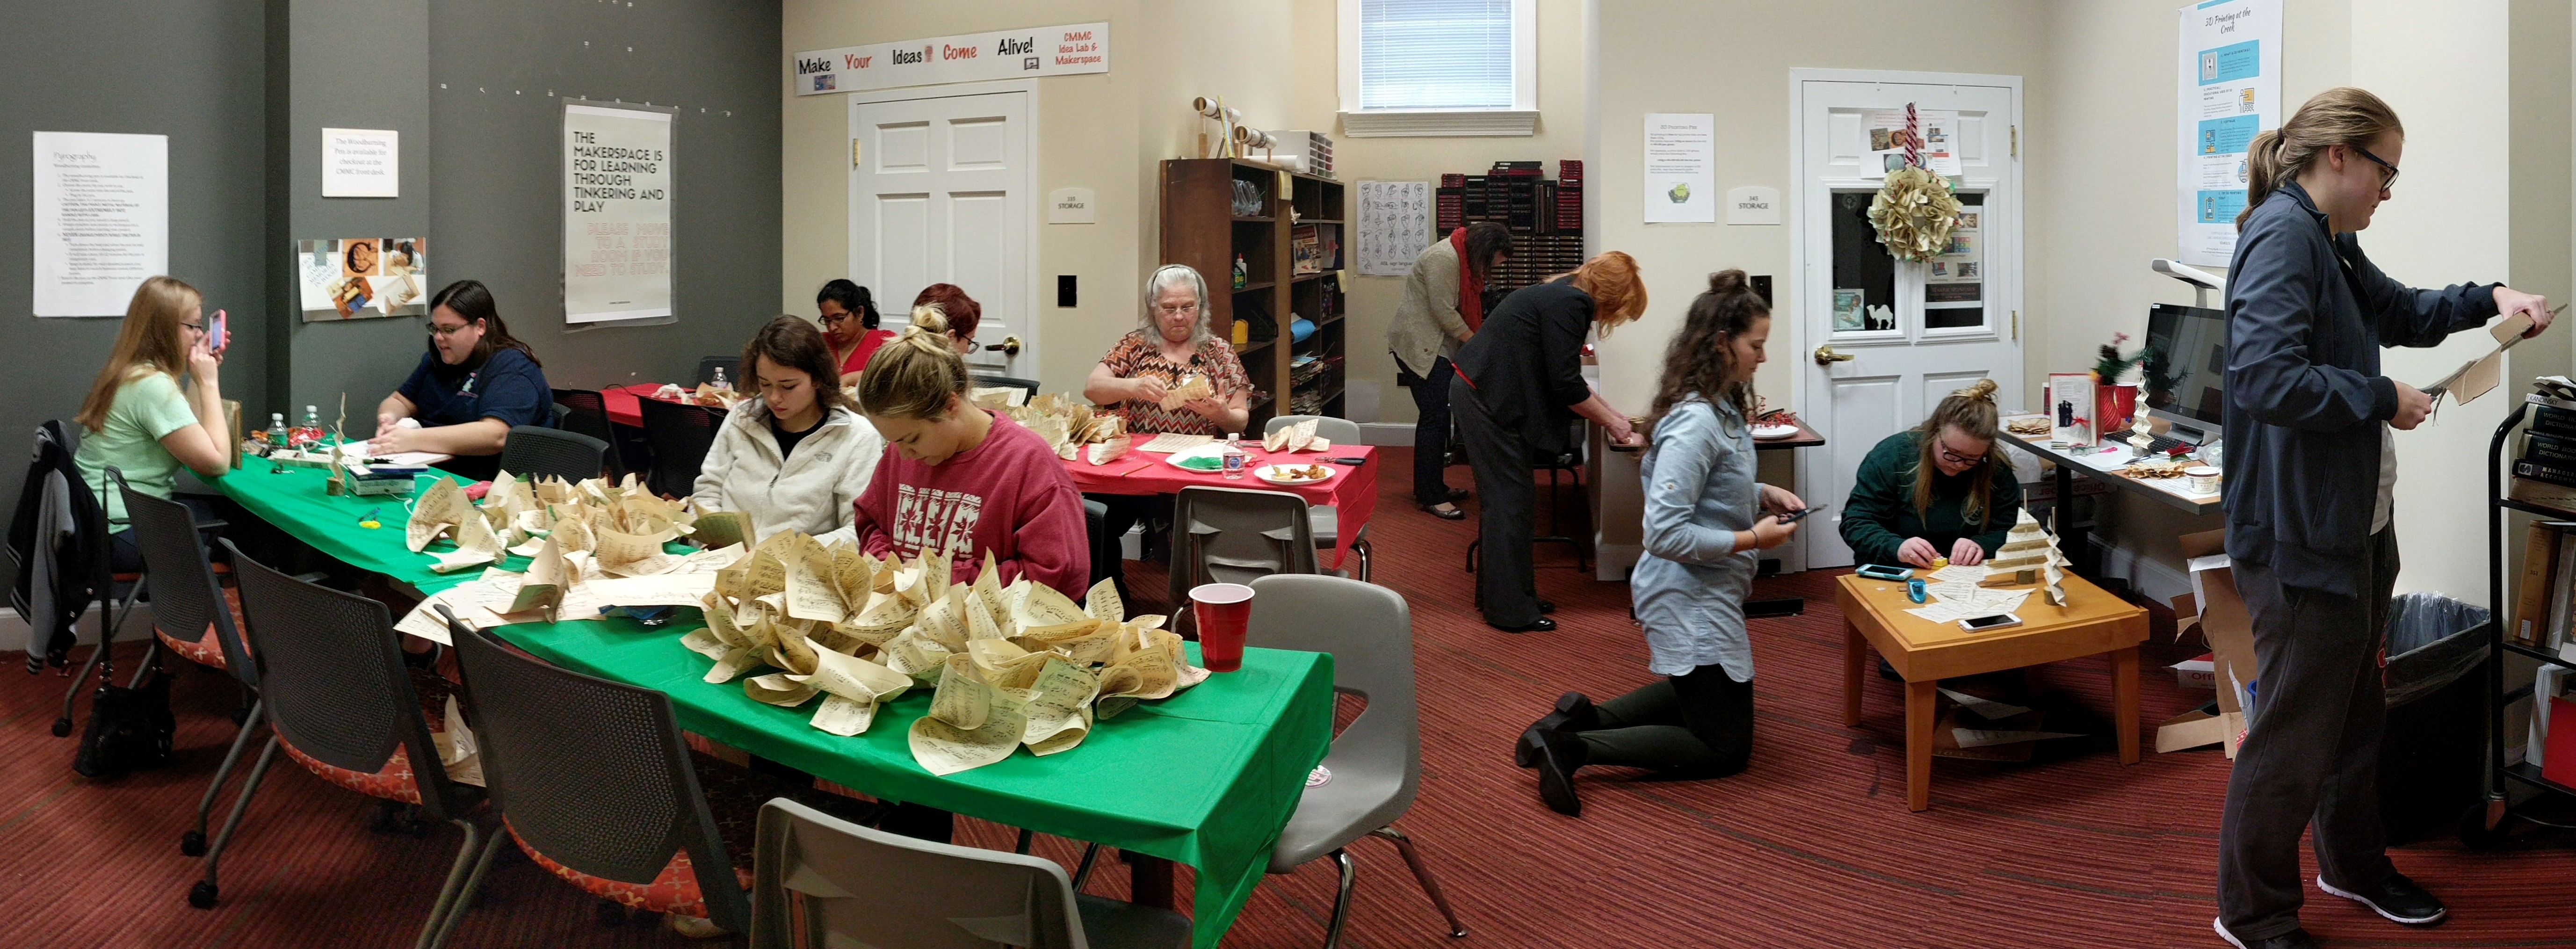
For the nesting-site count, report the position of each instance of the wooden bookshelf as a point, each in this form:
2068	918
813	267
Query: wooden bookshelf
1201	230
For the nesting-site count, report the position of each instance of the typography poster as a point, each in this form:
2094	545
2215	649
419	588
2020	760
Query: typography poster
617	213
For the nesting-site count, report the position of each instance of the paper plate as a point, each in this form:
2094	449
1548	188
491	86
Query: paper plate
1205	458
1767	432
1271	473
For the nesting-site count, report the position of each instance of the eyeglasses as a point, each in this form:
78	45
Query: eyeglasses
973	347
2390	180
198	327
1176	310
838	320
446	331
1956	458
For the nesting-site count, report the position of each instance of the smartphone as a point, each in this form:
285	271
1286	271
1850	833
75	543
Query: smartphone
215	332
1986	623
1876	572
1801	513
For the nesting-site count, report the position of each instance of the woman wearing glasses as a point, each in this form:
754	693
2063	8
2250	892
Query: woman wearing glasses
1935	490
961	312
849	317
139	419
474	384
2310	488
1173	342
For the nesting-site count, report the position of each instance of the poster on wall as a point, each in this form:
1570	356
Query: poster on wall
1940	131
617	213
967	57
1395	225
2229	90
102	220
1681	169
362	278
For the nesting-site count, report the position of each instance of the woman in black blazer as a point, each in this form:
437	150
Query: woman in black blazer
1519	387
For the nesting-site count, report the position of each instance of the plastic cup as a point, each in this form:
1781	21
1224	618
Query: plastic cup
1224	610
2204	479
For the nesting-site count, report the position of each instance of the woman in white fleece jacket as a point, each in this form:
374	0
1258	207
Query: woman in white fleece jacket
798	457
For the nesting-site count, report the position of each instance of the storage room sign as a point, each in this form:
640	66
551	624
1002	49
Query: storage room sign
617	213
969	57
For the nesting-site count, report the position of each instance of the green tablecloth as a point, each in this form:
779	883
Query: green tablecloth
1206	778
298	502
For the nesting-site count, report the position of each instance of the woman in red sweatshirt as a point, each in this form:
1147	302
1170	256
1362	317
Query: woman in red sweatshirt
961	479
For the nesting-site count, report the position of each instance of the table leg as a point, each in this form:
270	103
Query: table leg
1855	654
1151	880
2124	700
1918	743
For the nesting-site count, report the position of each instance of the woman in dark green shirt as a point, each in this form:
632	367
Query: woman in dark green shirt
1936	490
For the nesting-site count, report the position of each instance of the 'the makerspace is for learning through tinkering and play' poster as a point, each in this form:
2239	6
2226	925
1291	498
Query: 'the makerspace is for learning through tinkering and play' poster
617	213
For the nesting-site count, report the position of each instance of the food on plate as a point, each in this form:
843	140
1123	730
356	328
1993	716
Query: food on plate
2028	425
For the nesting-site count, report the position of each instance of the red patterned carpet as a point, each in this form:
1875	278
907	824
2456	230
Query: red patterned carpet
1812	847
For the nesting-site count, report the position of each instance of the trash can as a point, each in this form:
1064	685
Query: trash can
2434	749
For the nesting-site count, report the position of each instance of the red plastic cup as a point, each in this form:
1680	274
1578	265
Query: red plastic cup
1224	610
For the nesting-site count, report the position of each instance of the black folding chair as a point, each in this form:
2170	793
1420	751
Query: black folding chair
545	452
680	436
586	411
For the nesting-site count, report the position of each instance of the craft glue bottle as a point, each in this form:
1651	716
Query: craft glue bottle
1234	456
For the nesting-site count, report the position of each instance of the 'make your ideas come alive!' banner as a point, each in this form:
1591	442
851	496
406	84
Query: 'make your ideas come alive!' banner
617	213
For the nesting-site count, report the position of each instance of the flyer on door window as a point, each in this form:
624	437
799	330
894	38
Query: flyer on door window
2229	91
617	213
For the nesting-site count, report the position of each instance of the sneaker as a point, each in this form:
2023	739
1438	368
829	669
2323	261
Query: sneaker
2294	939
2399	899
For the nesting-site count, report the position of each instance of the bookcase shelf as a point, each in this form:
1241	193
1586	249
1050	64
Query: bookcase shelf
2477	829
1200	229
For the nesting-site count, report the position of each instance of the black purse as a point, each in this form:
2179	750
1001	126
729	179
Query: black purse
129	728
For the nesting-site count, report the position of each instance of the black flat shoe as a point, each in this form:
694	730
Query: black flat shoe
2397	898
1559	754
1573	713
1539	625
2294	939
1545	607
1452	514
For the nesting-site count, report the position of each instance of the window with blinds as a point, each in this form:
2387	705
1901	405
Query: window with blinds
1436	54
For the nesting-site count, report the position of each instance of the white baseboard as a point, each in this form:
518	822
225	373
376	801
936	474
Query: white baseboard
138	625
1387	433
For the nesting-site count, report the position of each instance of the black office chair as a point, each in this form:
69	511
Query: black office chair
586	411
680	436
547	452
1027	386
732	366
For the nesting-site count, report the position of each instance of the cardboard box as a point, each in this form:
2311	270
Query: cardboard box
2201	673
2229	628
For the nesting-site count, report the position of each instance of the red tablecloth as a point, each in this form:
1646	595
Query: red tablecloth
1352	489
622	408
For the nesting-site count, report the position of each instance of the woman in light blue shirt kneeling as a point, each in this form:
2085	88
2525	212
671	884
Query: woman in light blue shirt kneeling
1705	518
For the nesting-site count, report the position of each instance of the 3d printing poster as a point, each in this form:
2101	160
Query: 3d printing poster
1940	131
362	278
617	213
1681	169
102	220
2229	90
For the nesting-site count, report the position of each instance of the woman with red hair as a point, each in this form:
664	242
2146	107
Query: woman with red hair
961	310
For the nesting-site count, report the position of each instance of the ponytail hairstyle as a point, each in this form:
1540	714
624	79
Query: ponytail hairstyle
1618	293
1972	412
152	339
2342	115
1485	239
914	375
789	342
1701	358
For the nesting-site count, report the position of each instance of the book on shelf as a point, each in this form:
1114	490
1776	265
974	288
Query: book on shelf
2542	493
2551	416
2562	579
2556	450
2540	593
2561	475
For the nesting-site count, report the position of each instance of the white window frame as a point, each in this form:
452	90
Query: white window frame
1519	120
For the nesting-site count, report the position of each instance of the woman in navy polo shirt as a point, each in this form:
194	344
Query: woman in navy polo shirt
475	382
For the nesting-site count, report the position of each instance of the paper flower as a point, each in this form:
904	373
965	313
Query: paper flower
1914	214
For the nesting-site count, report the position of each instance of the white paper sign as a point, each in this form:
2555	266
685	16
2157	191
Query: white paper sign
361	163
617	213
102	217
2228	91
1753	204
1071	206
1939	149
1681	173
967	57
1395	225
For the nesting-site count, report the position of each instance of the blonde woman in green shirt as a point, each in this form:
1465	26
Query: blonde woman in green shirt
138	418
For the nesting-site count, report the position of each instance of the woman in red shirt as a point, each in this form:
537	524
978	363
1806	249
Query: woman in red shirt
850	327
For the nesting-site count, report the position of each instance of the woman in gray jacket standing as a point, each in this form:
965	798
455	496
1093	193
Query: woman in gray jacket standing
1705	517
798	457
1444	303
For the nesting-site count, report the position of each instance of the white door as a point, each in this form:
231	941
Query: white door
1922	329
941	191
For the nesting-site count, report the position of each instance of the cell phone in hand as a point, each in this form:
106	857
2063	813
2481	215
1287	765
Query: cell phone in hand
1801	514
215	333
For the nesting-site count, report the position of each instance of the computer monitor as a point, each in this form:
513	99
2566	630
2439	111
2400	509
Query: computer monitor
2187	369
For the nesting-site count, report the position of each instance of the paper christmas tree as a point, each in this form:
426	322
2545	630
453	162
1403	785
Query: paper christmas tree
2029	555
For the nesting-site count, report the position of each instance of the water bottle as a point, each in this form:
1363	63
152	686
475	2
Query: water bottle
720	382
1234	456
278	439
311	431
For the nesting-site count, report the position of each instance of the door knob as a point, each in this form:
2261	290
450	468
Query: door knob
1826	356
1011	346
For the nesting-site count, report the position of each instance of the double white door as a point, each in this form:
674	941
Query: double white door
940	193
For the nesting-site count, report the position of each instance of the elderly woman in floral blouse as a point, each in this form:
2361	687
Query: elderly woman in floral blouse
1173	343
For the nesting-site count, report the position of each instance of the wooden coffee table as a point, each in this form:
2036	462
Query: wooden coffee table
2091	623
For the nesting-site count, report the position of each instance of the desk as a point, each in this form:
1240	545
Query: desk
2091	623
2103	466
621	402
1208	777
1352	490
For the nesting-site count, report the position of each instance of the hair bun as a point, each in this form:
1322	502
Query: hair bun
930	318
1728	281
1983	389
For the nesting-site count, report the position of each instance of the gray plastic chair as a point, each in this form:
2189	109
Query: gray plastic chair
191	618
591	773
1233	535
865	887
1027	387
571	456
333	685
1375	767
1328	518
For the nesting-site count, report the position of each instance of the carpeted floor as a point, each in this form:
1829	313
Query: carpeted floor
1812	847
